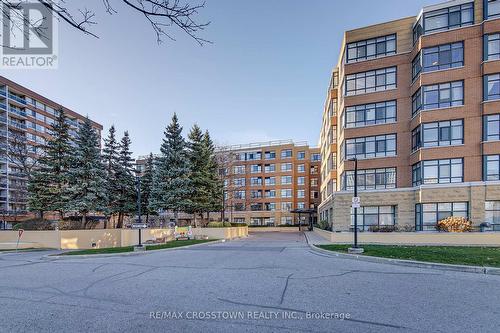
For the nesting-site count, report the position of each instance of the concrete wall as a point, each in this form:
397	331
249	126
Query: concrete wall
414	238
222	233
275	229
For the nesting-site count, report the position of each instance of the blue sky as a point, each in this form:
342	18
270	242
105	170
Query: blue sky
264	78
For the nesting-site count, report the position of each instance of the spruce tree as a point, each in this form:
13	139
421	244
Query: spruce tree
111	164
48	186
125	178
172	187
216	184
146	184
200	177
87	174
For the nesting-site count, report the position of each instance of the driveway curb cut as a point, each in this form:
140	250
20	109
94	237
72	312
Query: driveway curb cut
408	263
124	254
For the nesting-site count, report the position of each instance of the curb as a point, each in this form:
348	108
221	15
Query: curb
407	263
125	254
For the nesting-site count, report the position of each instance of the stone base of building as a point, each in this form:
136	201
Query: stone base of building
416	208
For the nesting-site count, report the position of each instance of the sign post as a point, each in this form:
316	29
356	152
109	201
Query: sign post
19	234
356	203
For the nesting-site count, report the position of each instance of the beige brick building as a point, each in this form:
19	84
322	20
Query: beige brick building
417	102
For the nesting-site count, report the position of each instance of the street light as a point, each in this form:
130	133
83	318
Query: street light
355	205
138	180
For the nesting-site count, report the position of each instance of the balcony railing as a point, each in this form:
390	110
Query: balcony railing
3	106
3	92
3	120
17	111
17	124
17	99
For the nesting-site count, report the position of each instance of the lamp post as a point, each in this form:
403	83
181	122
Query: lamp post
355	205
138	179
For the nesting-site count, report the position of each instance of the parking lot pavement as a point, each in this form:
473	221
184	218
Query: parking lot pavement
269	282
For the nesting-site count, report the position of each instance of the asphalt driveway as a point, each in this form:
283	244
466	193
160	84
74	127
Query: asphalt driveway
269	282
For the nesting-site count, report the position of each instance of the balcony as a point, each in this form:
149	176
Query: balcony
18	99
3	119
17	124
3	92
3	106
18	112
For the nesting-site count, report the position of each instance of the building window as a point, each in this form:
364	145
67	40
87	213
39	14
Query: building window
371	48
438	171
491	127
270	155
371	81
427	215
438	58
239	169
491	167
301	205
286	166
256	207
286	220
301	168
301	180
256	168
286	206
253	156
256	181
301	155
286	153
286	193
492	215
449	18
301	194
286	180
270	181
371	146
491	87
239	182
369	179
491	8
443	133
491	47
314	181
374	216
438	96
369	114
255	194
269	168
239	194
316	157
270	193
270	206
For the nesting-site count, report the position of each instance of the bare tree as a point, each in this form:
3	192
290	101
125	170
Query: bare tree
162	15
226	160
21	154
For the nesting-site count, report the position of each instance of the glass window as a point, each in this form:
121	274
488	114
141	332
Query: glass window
370	147
301	194
301	180
286	193
239	169
255	168
301	155
443	133
286	166
268	168
316	157
438	96
374	216
286	180
369	114
491	167
301	168
427	215
438	57
255	181
491	47
448	18
239	194
369	179
270	155
286	153
492	215
491	87
270	181
371	81
492	9
491	127
371	48
239	181
286	206
438	172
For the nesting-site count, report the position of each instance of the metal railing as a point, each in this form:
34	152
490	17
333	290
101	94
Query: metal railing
17	111
17	99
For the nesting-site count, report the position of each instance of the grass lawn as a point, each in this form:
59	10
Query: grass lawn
168	245
458	255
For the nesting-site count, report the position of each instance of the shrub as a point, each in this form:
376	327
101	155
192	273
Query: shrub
234	224
227	224
35	224
454	224
215	225
323	224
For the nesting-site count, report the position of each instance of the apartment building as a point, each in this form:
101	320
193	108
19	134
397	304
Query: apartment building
25	119
417	102
264	182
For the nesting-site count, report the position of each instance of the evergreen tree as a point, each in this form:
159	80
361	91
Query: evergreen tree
200	178
125	181
172	187
111	164
48	186
146	184
216	184
87	174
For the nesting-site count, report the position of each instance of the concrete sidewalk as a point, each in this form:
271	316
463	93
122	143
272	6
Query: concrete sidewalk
315	239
